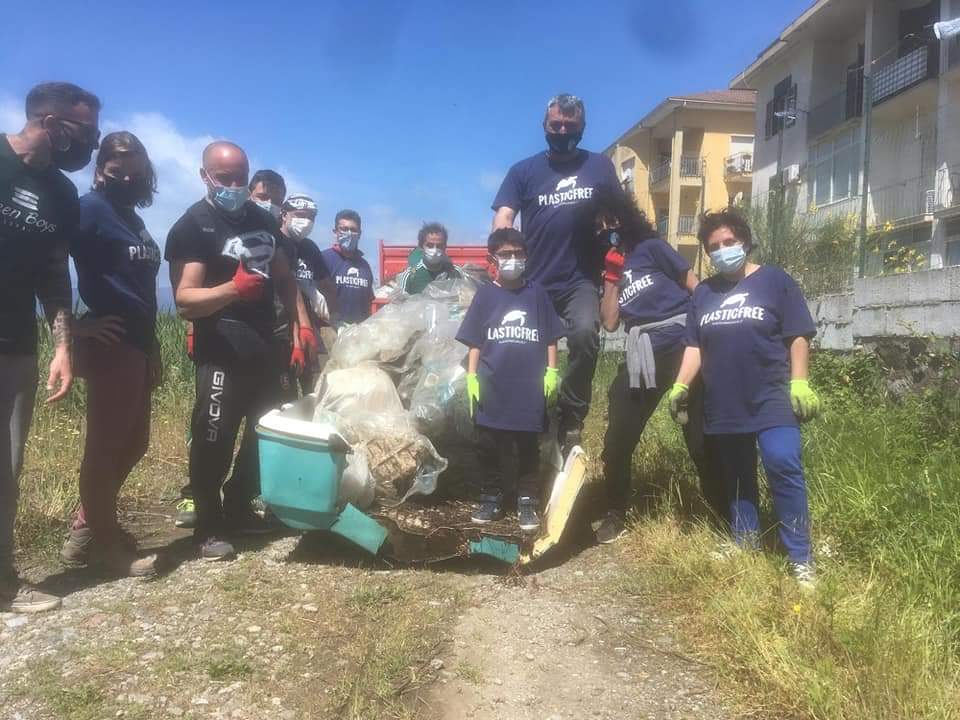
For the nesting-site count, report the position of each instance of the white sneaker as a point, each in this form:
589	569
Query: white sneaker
804	574
725	550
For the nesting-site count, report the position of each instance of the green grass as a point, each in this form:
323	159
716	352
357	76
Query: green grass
48	486
880	636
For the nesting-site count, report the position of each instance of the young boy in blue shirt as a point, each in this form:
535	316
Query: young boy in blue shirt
512	330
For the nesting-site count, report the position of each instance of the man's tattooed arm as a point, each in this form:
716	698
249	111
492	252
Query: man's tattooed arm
62	322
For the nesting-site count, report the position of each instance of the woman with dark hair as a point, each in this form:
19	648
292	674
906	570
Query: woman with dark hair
647	286
115	350
748	333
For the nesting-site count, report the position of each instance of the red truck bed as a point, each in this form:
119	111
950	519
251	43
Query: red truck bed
393	258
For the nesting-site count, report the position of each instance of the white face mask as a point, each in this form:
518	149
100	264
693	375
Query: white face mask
269	207
299	228
512	268
433	257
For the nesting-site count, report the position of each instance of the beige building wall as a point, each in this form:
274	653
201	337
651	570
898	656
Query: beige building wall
697	144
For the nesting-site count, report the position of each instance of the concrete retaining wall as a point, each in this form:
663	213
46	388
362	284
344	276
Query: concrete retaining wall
918	304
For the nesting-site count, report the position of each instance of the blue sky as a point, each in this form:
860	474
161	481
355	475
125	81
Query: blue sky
406	111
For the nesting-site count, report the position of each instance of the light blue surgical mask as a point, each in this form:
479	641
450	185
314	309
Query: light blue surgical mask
729	259
230	199
511	268
348	240
270	208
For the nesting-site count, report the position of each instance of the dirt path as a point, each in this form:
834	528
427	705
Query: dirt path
303	629
561	646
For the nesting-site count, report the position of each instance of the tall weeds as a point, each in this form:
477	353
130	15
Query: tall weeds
880	636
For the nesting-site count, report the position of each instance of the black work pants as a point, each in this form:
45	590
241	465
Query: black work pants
579	307
494	452
629	411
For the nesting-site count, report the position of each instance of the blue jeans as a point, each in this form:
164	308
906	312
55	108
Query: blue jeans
736	459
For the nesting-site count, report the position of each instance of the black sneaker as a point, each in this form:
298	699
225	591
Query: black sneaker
527	514
490	509
214	549
611	528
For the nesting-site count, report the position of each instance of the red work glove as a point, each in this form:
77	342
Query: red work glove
613	266
308	340
298	360
249	284
190	341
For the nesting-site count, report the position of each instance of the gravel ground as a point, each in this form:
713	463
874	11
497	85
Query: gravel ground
293	629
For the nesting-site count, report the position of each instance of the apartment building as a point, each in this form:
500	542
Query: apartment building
816	80
690	153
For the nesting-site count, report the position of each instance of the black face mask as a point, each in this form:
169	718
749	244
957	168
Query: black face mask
124	194
75	157
564	143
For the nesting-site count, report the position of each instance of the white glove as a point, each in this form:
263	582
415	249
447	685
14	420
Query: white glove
320	305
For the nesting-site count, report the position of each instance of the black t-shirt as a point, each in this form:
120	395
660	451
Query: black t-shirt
117	262
205	234
38	213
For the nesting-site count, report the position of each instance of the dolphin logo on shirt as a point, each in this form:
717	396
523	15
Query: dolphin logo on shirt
353	271
568	183
737	299
256	248
515	316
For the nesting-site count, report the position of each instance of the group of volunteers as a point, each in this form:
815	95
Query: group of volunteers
264	302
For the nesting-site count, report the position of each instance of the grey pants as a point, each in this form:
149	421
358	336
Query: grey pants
18	388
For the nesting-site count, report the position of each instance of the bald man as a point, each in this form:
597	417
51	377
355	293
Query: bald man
224	269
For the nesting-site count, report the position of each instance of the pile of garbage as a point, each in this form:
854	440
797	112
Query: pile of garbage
395	389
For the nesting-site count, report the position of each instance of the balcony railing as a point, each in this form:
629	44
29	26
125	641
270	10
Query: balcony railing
902	203
904	72
837	109
687	225
660	173
662	227
691	166
740	163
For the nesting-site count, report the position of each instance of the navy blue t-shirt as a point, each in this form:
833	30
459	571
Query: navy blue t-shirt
551	198
651	290
309	269
512	329
741	330
117	263
354	280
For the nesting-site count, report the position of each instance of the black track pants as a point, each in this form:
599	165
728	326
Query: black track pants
225	397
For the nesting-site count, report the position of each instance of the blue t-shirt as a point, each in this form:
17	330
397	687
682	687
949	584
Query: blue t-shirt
651	291
512	329
552	197
117	263
354	280
741	330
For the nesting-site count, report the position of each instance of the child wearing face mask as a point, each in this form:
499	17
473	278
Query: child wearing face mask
512	330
